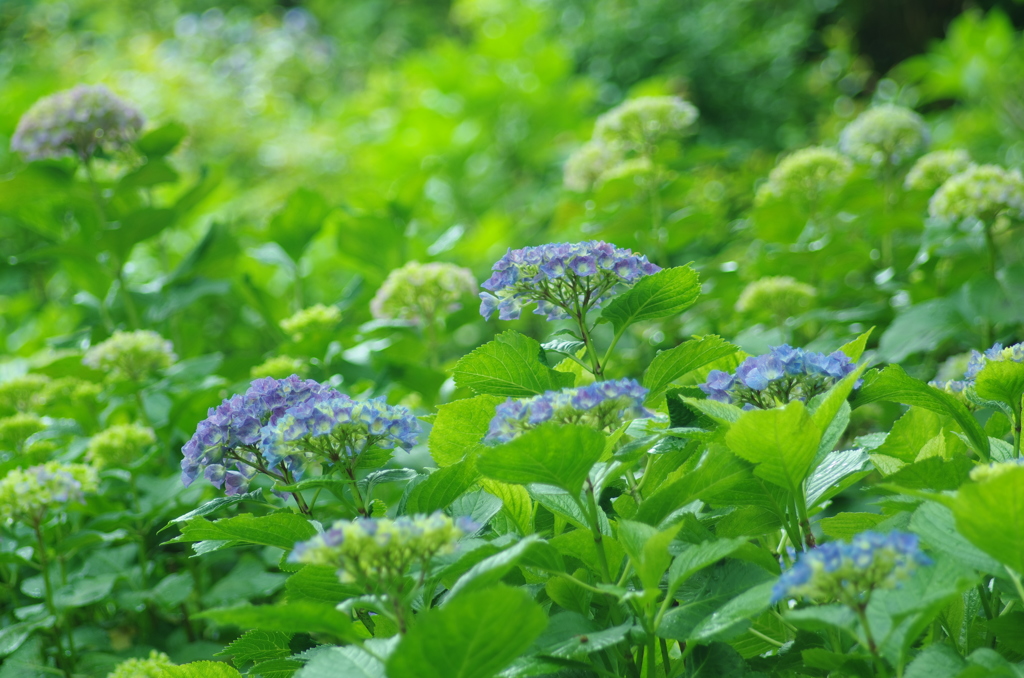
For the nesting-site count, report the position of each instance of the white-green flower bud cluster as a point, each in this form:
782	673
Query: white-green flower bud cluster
131	356
76	122
28	493
624	140
782	296
153	667
279	367
36	392
982	192
423	293
20	393
641	124
933	169
885	135
980	474
369	550
317	320
119	445
805	175
16	429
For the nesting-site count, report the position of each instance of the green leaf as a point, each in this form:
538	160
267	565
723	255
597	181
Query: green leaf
990	515
276	668
833	400
476	636
894	385
550	454
509	366
491	569
571	635
719	472
782	443
459	428
282	530
910	433
162	140
648	550
293	617
318	583
442	487
734	614
822	618
837	471
672	364
217	504
301	218
855	349
257	646
936	526
84	591
515	502
348	661
1002	381
697	557
845	525
936	661
201	670
723	413
666	293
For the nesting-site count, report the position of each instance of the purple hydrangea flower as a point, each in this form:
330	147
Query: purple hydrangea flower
978	360
601	405
778	377
849	571
559	277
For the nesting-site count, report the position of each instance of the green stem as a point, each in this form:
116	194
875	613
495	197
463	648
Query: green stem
768	639
993	251
298	495
611	347
595	527
805	521
862	615
652	656
666	662
1018	415
1016	582
44	562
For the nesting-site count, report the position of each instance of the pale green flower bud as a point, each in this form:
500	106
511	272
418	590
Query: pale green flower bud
375	549
143	668
980	192
21	393
805	175
423	293
980	474
313	321
933	169
131	356
782	296
885	135
279	367
76	122
17	429
28	493
119	445
643	123
587	164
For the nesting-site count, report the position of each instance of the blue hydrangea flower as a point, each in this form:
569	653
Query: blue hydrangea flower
849	571
978	360
225	446
337	426
561	278
778	377
603	405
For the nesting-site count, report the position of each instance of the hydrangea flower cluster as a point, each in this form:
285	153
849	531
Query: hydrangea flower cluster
641	124
602	405
981	192
119	445
565	279
313	321
281	426
624	140
805	175
232	431
778	377
885	135
279	367
585	168
30	391
423	293
19	394
26	494
995	469
377	551
977	361
16	429
76	122
849	572
152	667
334	426
782	296
131	356
933	169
